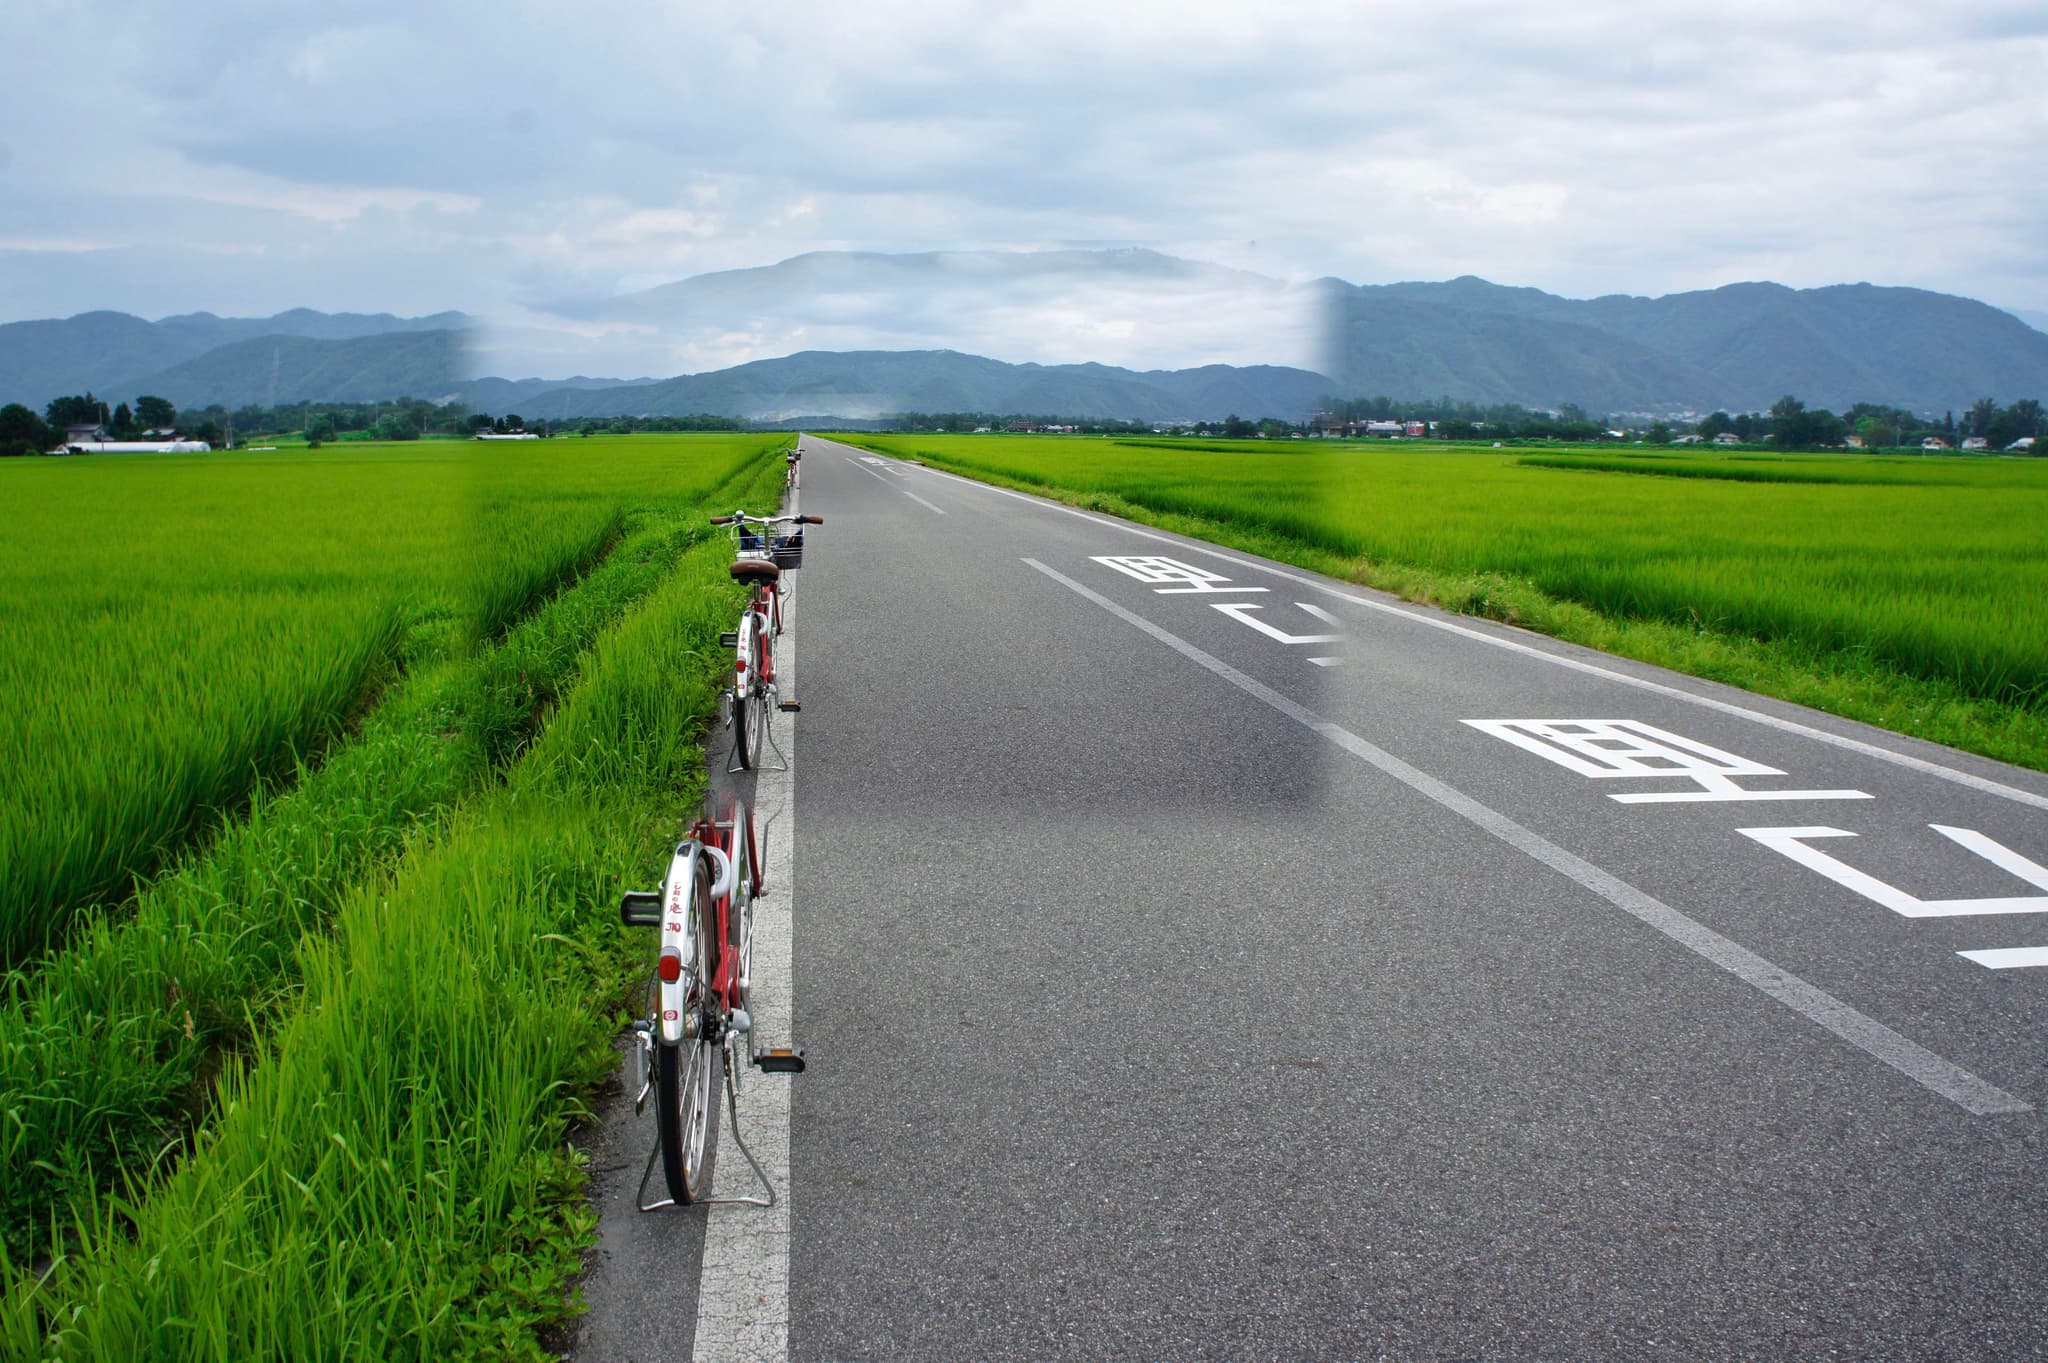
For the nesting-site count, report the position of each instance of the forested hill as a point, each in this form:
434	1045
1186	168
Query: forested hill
120	357
1737	348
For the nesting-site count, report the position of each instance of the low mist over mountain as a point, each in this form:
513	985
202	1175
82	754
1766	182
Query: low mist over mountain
1136	309
864	385
1164	338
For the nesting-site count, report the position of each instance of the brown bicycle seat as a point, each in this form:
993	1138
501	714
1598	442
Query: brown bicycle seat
754	570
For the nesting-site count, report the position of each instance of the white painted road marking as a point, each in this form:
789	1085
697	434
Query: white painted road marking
1908	1057
1153	569
743	1283
1792	842
1790	726
1608	748
1242	610
904	490
2008	958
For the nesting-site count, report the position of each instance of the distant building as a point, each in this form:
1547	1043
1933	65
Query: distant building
1976	442
2021	446
1384	429
1934	442
1727	438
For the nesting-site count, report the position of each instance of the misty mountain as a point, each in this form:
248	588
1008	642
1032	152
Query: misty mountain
1739	347
120	357
807	329
874	383
1135	309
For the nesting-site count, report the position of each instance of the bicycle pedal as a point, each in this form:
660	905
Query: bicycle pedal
787	705
780	1060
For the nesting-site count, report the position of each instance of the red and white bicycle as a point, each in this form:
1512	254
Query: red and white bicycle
698	1024
764	547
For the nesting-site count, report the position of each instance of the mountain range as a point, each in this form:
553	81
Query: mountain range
198	358
1736	348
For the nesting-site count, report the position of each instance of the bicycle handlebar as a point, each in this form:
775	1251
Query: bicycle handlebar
742	518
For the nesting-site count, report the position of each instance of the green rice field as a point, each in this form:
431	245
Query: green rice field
1910	592
285	1069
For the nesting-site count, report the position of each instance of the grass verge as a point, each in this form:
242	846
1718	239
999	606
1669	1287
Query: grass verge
1830	671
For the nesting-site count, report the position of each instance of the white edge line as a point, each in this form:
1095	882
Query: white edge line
743	1281
1866	1033
1857	745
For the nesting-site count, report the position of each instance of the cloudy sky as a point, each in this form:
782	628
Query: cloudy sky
507	158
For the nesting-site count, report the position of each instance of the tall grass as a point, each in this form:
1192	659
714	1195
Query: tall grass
99	1078
389	1182
1920	579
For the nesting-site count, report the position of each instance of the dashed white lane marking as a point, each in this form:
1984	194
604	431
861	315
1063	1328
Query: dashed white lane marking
743	1287
1866	1033
1856	745
2008	958
904	490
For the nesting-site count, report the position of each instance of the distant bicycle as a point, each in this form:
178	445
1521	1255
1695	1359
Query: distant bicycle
760	556
789	478
698	1024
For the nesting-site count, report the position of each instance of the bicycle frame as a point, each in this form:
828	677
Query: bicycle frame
698	1001
758	560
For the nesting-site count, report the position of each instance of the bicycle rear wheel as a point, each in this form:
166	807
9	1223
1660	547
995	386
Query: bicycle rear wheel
686	1074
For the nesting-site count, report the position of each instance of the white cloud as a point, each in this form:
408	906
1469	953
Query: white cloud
436	154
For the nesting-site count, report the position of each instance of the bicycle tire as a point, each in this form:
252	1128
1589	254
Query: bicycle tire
686	1074
750	702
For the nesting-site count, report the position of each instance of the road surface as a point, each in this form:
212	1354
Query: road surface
1201	959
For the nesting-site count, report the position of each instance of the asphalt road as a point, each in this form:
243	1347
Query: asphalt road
1199	959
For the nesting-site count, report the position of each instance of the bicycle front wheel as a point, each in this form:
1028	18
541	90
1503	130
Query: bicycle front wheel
750	702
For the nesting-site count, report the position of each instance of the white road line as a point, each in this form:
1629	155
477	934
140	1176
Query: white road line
904	490
1909	1058
2008	958
743	1288
1856	745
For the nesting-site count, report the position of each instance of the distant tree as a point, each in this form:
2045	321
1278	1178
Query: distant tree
404	424
23	432
1982	413
124	422
208	430
481	422
1715	423
155	413
79	410
319	429
1658	434
1236	427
